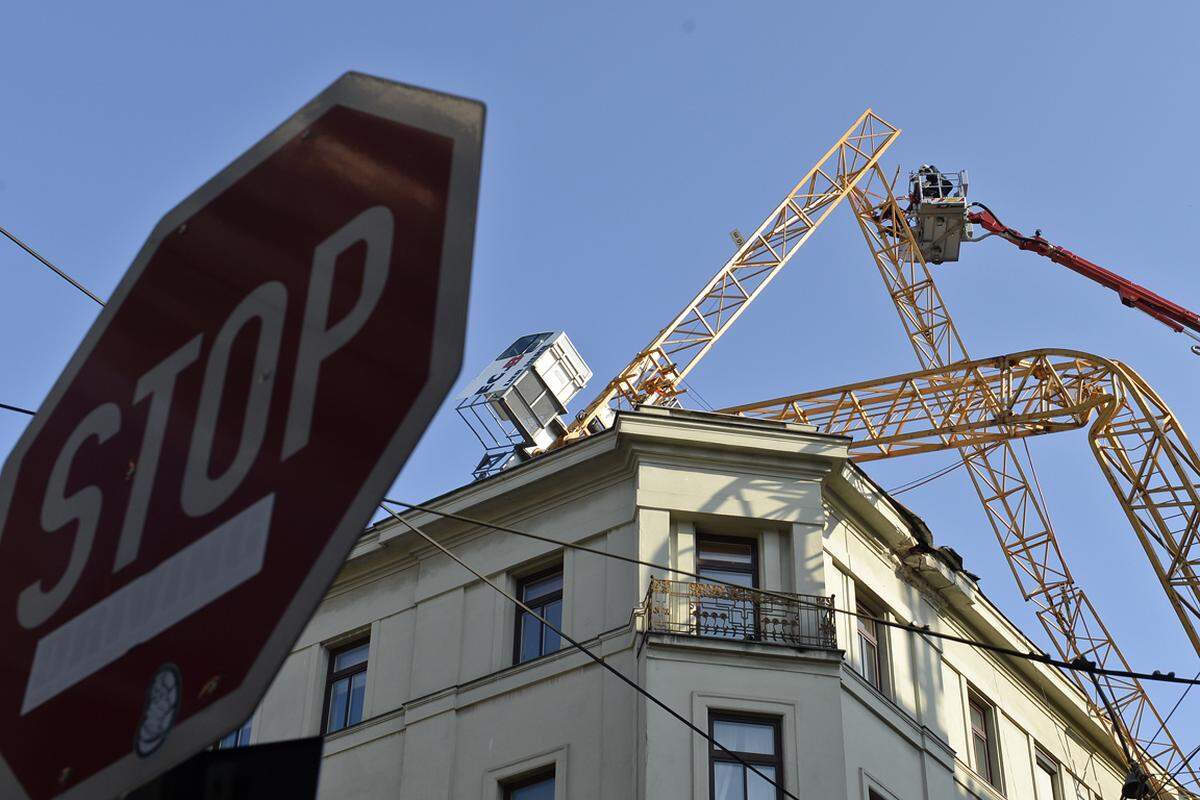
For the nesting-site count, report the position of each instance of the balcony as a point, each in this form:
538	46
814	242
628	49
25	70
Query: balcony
727	612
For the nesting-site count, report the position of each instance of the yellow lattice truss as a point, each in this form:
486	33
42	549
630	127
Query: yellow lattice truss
978	407
654	375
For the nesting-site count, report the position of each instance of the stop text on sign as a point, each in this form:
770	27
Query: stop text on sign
233	552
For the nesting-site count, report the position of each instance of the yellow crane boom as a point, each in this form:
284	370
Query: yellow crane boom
1138	443
654	374
1001	478
1159	502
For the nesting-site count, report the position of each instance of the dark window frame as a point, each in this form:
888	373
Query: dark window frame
332	677
877	634
1050	765
531	779
716	754
731	566
990	769
536	605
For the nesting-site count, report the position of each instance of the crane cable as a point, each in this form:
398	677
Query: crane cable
917	483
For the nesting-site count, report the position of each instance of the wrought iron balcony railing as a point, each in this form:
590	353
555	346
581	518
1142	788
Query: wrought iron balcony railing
728	612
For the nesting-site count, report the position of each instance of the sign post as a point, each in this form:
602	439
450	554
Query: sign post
198	473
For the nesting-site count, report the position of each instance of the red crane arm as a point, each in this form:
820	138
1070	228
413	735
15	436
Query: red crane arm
1173	315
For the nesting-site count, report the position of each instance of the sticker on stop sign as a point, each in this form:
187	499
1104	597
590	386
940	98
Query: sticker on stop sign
195	478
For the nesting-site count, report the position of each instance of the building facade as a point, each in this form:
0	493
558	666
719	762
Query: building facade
428	683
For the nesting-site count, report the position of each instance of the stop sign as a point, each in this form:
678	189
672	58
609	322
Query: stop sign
192	483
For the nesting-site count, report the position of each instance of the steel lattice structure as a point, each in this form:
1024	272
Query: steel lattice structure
1002	481
977	407
654	375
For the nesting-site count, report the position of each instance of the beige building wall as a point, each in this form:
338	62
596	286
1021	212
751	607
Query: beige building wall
448	715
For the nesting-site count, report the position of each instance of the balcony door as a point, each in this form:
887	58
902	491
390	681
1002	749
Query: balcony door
721	611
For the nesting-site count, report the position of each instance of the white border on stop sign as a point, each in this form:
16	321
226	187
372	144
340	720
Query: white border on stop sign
457	118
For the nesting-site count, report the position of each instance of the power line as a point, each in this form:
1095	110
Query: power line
620	675
1162	725
17	409
50	266
923	630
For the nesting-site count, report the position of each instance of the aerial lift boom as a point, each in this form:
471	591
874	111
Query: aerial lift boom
1173	315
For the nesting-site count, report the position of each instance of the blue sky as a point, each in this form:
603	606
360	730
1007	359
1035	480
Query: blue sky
623	142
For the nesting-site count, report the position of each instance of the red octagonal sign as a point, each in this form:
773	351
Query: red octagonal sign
192	483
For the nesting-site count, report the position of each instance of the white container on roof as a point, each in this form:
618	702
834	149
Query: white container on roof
517	402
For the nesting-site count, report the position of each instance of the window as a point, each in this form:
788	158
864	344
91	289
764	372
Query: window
872	646
346	687
543	593
983	739
533	787
1045	776
235	738
756	741
729	560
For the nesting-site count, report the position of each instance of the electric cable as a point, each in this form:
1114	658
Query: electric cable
620	675
17	409
50	266
923	630
1162	725
1174	775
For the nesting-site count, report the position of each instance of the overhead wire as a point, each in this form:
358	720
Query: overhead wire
598	659
45	262
917	483
1086	667
17	409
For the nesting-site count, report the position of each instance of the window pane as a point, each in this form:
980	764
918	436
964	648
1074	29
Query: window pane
759	789
732	552
542	790
978	721
728	781
542	586
983	763
1043	780
866	627
358	690
243	734
727	576
553	615
531	637
228	740
337	705
870	660
350	658
745	737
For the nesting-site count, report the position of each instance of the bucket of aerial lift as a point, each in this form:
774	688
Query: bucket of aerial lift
938	212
